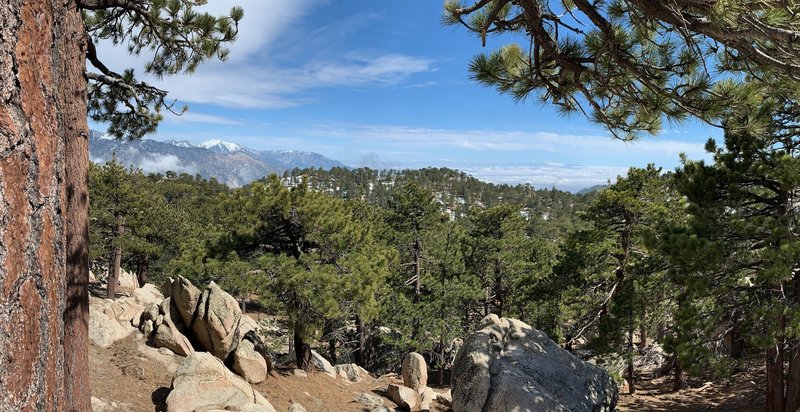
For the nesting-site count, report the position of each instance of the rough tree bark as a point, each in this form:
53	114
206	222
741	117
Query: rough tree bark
43	207
302	352
774	392
361	358
143	271
793	375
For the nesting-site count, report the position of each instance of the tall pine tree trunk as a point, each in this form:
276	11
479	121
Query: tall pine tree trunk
677	382
774	390
116	259
302	351
143	272
43	207
793	380
631	372
793	375
361	358
440	372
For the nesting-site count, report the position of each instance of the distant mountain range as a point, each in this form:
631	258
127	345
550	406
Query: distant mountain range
229	163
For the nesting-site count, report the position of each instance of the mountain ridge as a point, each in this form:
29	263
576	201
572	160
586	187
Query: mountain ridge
232	164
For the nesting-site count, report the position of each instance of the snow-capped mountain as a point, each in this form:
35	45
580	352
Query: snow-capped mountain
220	146
229	163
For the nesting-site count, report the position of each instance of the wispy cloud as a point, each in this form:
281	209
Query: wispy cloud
264	72
196	117
516	141
156	163
245	85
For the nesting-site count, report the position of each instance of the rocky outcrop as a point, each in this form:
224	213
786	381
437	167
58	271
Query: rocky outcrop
508	365
203	383
216	321
248	363
415	372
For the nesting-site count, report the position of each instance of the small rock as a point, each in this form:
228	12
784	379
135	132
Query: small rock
427	399
299	373
99	406
444	399
147	328
369	399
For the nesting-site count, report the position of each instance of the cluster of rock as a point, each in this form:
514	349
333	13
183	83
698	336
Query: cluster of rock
505	365
414	393
188	319
508	365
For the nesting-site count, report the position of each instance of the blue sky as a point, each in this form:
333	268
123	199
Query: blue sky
384	84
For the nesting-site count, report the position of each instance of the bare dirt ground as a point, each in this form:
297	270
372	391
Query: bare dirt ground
744	394
119	374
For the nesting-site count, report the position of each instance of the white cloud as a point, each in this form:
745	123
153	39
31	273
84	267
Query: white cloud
566	177
155	164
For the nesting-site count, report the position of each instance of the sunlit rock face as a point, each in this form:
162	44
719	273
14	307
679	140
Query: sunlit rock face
507	365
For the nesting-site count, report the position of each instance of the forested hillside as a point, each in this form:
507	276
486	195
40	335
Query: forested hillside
362	262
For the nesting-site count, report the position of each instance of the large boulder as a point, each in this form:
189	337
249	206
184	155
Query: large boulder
352	372
104	330
508	365
203	383
322	364
185	297
216	321
169	361
405	398
415	372
147	294
248	363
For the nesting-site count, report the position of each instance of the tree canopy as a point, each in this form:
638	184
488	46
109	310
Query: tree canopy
631	64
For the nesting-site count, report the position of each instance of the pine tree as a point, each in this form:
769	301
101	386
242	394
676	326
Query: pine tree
743	239
499	256
631	64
